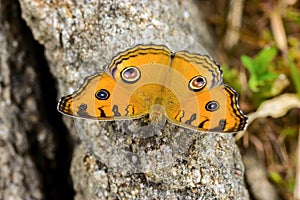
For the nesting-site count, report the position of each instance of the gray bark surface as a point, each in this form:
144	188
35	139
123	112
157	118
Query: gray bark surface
19	178
80	38
30	167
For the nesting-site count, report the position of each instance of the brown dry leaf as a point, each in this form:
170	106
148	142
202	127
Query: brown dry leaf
276	107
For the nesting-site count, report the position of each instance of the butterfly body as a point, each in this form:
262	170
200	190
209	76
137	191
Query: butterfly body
149	79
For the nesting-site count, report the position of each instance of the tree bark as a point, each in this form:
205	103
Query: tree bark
80	38
31	166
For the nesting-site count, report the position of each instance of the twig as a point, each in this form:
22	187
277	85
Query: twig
234	19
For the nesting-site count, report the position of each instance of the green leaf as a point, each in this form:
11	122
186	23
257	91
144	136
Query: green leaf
253	84
264	58
249	64
259	67
295	75
276	178
268	77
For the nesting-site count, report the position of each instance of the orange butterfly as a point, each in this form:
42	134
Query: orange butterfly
151	80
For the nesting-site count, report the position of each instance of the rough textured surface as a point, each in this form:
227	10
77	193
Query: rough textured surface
19	178
211	169
80	37
29	165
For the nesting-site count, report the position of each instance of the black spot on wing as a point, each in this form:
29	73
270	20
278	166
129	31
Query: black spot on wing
192	118
115	110
102	113
82	111
201	125
82	106
85	83
84	114
220	127
179	115
129	110
212	106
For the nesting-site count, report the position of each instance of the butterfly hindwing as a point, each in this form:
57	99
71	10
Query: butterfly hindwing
212	110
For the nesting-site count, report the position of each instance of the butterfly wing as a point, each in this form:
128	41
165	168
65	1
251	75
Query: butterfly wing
149	75
107	96
190	65
139	56
214	110
93	99
213	106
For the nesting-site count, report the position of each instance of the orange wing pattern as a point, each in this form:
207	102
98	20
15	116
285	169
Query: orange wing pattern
150	79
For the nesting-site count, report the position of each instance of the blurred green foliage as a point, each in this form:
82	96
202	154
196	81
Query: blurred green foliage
295	75
293	15
263	76
260	67
230	75
276	178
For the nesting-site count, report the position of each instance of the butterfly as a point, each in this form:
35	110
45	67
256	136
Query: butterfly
152	81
